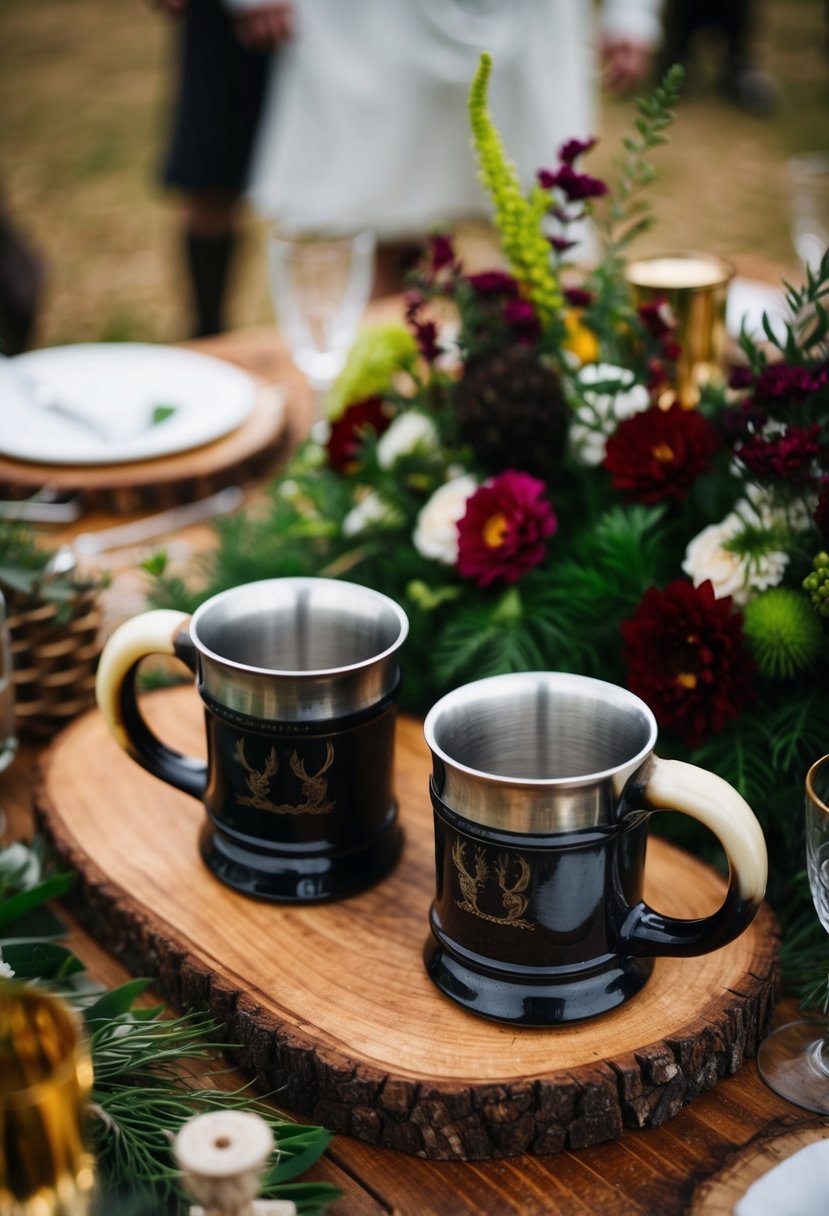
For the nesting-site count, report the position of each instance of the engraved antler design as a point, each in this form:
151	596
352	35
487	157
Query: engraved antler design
514	904
314	788
258	782
469	884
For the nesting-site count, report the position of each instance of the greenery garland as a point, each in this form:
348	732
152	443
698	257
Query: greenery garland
149	1068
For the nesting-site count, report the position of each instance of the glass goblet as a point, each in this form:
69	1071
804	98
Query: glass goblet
794	1059
320	286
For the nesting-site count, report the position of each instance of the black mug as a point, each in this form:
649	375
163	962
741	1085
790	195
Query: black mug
542	787
300	679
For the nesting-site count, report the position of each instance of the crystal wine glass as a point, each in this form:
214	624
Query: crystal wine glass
794	1059
320	285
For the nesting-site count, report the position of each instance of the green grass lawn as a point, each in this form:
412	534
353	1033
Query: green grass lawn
83	89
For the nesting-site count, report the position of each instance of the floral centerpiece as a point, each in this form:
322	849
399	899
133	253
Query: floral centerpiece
512	466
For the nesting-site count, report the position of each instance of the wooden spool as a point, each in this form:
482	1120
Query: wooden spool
330	1003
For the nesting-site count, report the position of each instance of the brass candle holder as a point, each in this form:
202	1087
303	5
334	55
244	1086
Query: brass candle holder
695	288
45	1080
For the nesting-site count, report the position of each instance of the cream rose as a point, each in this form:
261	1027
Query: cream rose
410	432
436	531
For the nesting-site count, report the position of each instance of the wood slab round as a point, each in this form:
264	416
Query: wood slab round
331	1005
248	452
718	1195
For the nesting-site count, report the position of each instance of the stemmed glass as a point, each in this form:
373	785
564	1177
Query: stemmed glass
794	1059
320	285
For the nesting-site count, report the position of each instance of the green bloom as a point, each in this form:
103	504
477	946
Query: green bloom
379	352
518	218
783	633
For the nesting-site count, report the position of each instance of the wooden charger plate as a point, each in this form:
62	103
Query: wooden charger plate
330	1003
166	481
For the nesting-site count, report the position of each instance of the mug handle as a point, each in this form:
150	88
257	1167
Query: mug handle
161	631
677	786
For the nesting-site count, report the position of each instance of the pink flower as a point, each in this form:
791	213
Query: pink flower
502	534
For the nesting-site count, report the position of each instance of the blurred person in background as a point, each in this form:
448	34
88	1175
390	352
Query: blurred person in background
223	65
366	125
22	280
735	23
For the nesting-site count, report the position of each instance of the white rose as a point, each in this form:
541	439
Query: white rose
599	413
436	531
410	432
371	509
731	573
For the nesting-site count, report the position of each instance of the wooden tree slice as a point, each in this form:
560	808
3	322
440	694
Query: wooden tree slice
249	451
331	1003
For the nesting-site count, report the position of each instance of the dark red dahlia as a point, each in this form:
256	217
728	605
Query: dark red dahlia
577	297
657	455
788	456
687	659
348	431
502	534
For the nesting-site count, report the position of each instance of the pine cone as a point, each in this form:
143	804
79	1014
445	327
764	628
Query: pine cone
511	410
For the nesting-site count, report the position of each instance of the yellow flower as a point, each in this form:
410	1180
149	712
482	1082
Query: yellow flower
581	340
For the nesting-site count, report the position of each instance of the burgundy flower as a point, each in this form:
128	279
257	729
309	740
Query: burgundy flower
822	514
347	431
502	534
522	320
658	318
493	282
789	456
574	148
687	660
426	336
575	186
782	382
657	455
441	251
578	297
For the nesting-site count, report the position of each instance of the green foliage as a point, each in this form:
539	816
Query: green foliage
25	574
145	1086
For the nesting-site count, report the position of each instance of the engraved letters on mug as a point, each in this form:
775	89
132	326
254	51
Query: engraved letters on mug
513	874
314	788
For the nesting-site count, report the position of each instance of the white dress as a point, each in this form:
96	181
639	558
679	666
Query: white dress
366	125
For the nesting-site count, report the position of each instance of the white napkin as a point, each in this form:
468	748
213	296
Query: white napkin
798	1186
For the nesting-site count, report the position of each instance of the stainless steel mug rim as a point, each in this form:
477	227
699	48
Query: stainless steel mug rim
561	682
299	673
319	691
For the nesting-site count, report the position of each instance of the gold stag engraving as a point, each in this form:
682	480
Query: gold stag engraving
315	799
513	901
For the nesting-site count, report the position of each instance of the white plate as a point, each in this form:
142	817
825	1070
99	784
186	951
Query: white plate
117	386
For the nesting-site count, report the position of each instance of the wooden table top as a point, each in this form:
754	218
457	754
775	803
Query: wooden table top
683	1166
